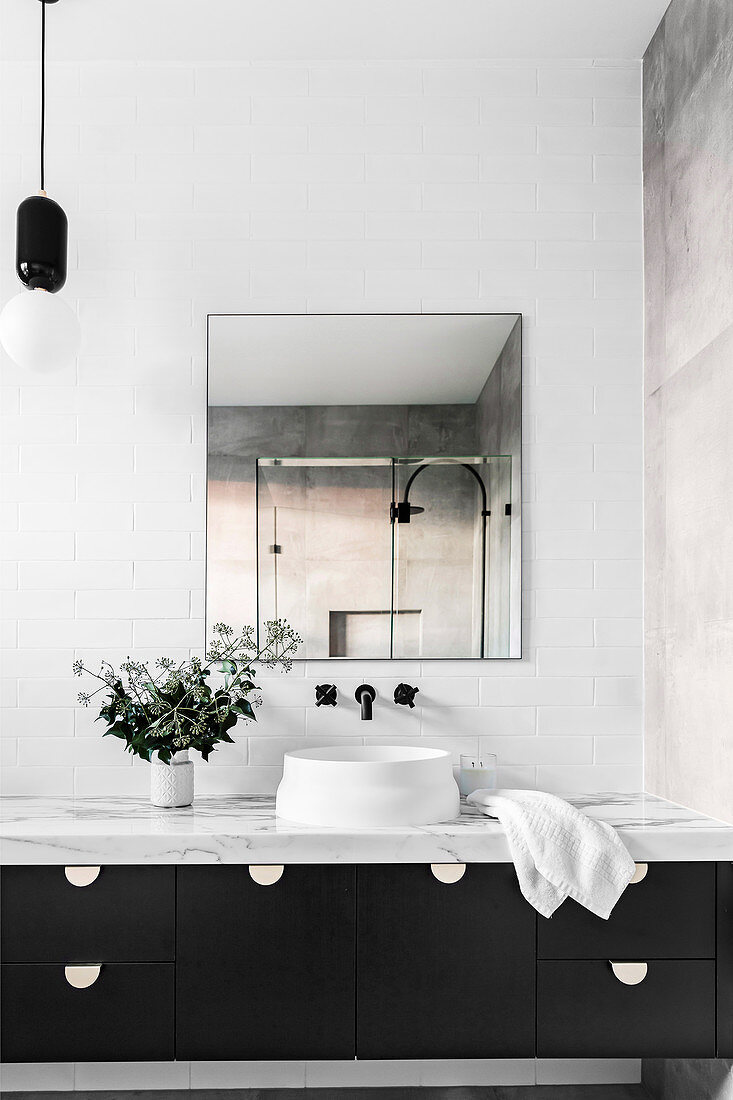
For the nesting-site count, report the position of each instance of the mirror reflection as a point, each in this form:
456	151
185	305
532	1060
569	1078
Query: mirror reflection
364	481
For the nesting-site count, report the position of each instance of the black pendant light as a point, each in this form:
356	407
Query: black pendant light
38	331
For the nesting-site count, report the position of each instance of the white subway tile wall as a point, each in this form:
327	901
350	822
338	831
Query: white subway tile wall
320	187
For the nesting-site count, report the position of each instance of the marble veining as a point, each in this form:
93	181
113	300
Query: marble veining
246	830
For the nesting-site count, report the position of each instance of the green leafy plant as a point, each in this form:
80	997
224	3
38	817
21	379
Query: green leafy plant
175	707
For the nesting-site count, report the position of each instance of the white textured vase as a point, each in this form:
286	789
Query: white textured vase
172	784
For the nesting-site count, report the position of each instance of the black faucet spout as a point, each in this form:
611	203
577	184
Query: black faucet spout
365	696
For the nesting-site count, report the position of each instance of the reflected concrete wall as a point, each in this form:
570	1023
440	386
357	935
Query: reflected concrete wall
331	524
329	542
499	432
688	411
239	435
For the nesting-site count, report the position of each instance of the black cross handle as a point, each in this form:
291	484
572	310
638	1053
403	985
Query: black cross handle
404	695
326	695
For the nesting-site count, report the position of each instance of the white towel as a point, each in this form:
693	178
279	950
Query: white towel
558	851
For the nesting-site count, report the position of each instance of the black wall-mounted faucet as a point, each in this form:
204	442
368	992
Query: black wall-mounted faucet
365	695
326	695
404	695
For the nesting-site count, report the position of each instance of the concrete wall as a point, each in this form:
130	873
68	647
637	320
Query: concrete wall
688	409
333	523
688	419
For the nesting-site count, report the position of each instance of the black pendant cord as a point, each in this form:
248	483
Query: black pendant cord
43	94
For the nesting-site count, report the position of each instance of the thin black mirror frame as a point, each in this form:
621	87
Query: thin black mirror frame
520	558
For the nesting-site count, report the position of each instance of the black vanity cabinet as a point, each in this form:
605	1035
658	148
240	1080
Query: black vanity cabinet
374	961
444	969
265	971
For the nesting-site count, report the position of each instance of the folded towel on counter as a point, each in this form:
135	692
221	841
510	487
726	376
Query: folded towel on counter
558	851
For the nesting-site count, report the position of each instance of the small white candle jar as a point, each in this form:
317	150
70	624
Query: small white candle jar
477	773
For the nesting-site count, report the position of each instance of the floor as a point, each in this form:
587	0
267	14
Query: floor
528	1092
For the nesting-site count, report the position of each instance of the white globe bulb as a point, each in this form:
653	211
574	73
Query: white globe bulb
39	331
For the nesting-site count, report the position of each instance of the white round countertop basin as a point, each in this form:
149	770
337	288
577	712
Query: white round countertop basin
362	787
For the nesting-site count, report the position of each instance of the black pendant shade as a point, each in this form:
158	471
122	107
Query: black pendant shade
42	228
39	331
41	241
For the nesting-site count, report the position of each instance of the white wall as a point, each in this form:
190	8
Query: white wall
323	187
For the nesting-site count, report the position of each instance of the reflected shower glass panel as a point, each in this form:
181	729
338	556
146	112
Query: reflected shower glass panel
324	550
450	595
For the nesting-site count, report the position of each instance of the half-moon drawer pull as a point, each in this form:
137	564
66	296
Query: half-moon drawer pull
639	874
82	876
266	874
448	872
629	973
81	977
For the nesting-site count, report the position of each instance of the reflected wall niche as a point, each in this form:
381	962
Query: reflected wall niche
364	479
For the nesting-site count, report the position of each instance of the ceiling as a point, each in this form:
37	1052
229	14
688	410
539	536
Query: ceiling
241	30
358	359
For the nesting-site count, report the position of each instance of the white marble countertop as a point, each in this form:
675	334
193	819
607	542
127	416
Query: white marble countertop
245	830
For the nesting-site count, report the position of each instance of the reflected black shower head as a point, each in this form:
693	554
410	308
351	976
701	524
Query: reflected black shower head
402	510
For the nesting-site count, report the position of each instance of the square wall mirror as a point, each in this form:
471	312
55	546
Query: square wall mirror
364	481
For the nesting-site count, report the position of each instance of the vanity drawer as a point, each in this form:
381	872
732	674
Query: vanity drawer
584	1011
125	1015
127	914
670	914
